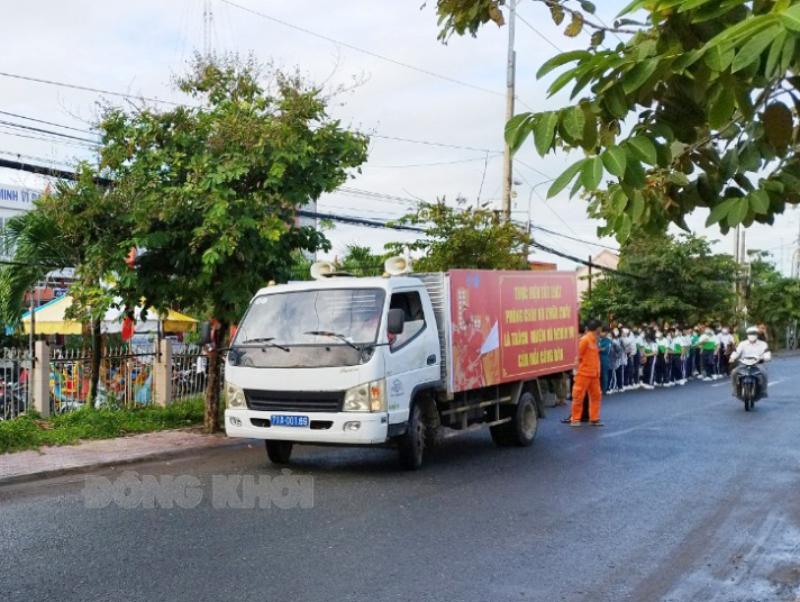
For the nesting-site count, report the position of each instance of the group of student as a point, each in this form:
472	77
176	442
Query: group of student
651	356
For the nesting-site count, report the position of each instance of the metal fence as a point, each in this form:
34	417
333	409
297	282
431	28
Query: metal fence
126	379
15	378
189	371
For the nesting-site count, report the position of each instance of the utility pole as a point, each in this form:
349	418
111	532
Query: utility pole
208	24
505	210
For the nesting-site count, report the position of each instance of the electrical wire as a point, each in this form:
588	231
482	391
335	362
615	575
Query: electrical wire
538	33
364	51
66	127
85	88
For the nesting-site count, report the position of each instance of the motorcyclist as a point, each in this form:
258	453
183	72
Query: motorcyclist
752	348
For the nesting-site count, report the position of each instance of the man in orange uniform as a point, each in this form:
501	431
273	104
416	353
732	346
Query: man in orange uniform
588	377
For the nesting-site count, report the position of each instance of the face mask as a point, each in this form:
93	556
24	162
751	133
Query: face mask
658	335
616	333
725	331
752	338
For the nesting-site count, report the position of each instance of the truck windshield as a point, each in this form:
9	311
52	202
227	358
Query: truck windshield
304	318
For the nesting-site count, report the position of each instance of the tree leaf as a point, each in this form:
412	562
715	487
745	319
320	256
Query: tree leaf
544	130
738	212
588	6
562	181
574	121
517	129
635	176
638	207
720	211
637	76
574	29
719	60
615	161
643	149
592	173
751	51
615	101
775	53
619	201
562	59
759	201
790	18
720	112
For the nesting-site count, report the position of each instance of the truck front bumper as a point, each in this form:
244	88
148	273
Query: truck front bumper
325	428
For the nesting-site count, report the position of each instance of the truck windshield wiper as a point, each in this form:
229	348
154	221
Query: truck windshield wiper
268	341
334	335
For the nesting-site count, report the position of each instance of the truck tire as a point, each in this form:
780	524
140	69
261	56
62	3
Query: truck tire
523	427
411	445
521	430
279	452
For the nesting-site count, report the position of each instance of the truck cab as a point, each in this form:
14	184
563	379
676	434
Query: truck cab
332	361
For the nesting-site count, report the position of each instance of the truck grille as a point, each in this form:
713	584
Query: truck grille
294	401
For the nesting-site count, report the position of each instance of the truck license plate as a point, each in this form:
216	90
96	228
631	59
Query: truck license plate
288	420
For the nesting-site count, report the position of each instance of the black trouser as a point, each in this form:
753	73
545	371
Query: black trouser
662	374
649	375
677	367
709	361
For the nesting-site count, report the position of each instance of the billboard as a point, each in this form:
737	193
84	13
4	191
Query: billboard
510	326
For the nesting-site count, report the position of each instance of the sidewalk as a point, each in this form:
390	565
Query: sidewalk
88	455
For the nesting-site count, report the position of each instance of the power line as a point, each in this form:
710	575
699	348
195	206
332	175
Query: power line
539	33
364	51
43	131
481	158
85	88
431	143
66	127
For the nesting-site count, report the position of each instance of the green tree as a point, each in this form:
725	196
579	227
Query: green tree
696	107
770	297
464	237
71	227
361	261
665	278
209	192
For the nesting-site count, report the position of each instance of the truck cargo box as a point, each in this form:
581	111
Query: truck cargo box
504	326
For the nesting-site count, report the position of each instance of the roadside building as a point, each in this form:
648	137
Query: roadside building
607	259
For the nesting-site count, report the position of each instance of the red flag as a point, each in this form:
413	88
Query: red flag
128	327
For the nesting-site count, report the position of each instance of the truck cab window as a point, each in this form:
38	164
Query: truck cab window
411	304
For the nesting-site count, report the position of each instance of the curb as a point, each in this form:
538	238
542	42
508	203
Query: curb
155	457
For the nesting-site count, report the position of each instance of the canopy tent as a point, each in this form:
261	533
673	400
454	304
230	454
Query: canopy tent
51	319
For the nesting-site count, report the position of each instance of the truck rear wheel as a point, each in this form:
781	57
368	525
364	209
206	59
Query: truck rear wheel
521	430
411	446
279	452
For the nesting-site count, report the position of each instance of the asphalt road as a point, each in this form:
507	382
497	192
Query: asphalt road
682	496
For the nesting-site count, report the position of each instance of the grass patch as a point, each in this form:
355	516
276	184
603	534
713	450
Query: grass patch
31	432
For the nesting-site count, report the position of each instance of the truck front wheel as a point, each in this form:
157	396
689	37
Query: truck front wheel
411	446
279	452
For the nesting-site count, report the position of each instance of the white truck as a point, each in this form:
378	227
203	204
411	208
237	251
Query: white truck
399	360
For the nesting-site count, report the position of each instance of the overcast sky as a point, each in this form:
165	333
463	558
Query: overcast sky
137	47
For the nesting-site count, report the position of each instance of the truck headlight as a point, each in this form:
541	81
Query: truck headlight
370	397
234	396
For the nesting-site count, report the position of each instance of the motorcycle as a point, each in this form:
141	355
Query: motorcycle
749	389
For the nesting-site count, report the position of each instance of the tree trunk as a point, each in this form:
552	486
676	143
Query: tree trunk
213	385
97	356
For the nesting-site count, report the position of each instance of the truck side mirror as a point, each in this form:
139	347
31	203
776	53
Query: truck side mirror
205	333
396	321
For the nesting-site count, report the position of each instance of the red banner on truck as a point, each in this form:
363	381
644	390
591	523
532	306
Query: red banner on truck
509	326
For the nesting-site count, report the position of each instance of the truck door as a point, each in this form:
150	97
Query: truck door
414	358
